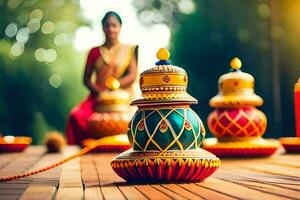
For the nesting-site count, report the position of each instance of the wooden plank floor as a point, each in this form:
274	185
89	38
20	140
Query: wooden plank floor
91	177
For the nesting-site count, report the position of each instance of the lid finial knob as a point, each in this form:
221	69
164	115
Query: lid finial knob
235	63
163	54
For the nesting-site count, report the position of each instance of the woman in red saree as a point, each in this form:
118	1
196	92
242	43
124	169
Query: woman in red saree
112	59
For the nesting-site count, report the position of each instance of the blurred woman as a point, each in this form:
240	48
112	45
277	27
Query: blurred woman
112	59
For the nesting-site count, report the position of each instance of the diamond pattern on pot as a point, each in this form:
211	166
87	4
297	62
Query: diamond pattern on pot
237	122
166	129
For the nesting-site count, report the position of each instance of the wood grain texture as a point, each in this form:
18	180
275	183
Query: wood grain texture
130	192
44	185
236	190
38	191
91	177
70	184
19	163
152	193
206	193
180	189
107	177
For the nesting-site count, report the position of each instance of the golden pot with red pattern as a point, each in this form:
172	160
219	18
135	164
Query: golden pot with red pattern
236	122
111	119
113	114
107	124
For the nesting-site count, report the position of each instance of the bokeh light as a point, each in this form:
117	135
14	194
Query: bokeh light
50	55
11	30
186	6
17	49
39	54
45	55
36	14
48	27
33	25
55	80
23	35
263	10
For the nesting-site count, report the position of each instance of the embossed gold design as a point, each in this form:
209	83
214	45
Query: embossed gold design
187	125
133	131
141	126
163	127
164	83
166	79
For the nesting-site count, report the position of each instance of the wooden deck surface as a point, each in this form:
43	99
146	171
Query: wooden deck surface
91	177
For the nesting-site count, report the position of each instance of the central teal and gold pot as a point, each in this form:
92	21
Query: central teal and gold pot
166	128
165	133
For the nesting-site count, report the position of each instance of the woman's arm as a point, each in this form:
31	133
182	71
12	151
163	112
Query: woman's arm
88	71
128	79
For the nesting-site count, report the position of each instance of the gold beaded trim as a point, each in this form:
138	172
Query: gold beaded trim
164	69
163	88
165	95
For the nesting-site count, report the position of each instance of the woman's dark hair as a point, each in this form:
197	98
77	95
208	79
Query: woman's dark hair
109	14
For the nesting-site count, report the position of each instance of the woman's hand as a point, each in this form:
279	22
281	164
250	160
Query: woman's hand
129	79
96	89
88	71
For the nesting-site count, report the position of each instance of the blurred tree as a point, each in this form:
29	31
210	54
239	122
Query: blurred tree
207	34
39	127
40	78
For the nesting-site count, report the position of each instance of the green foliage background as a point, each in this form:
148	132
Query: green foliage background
29	105
203	42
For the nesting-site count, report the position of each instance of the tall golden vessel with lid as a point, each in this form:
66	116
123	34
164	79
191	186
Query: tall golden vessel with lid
165	133
236	122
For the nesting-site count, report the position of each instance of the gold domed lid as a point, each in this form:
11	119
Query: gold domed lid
164	83
113	99
236	89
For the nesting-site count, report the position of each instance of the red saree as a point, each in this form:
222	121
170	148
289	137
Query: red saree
77	129
77	124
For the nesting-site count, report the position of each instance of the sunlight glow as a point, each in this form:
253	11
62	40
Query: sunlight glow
149	38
